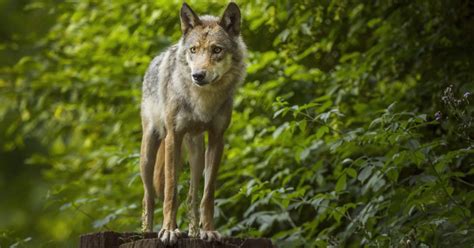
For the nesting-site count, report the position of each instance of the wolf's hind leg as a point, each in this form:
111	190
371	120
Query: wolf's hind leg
149	147
159	173
195	147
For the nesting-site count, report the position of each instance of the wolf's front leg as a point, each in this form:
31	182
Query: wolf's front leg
213	158
195	146
169	233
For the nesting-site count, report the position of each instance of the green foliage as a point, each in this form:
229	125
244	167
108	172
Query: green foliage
353	128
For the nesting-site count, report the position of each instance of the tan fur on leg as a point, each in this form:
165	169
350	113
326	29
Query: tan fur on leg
159	173
169	233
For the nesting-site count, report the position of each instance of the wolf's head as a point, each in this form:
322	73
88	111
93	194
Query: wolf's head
209	43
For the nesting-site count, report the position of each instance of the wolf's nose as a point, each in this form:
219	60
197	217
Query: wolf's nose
199	76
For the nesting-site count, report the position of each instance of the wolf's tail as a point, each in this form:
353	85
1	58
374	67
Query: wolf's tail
159	173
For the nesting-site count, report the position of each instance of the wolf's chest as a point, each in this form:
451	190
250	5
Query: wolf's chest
204	106
199	114
192	122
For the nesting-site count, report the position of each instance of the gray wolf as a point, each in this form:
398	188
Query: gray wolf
188	90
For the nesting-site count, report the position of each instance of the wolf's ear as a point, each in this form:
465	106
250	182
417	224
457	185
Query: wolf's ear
230	21
189	19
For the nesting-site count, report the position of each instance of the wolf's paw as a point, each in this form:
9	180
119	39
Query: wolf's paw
211	235
193	232
169	237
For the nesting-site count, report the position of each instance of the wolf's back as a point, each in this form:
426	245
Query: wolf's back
158	73
152	76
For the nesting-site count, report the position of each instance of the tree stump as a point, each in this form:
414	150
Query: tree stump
199	243
111	239
150	240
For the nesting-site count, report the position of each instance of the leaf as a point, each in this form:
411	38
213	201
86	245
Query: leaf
418	157
391	107
351	172
302	125
341	183
321	131
365	173
280	130
278	112
304	154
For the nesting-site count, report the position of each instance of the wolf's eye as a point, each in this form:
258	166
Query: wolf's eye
216	50
192	49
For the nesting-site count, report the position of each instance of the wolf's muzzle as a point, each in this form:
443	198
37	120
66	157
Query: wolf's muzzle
199	76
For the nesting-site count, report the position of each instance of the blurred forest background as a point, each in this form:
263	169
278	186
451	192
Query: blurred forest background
354	126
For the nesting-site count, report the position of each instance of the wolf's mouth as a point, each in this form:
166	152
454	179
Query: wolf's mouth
200	83
206	82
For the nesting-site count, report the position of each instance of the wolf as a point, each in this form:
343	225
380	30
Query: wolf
187	91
